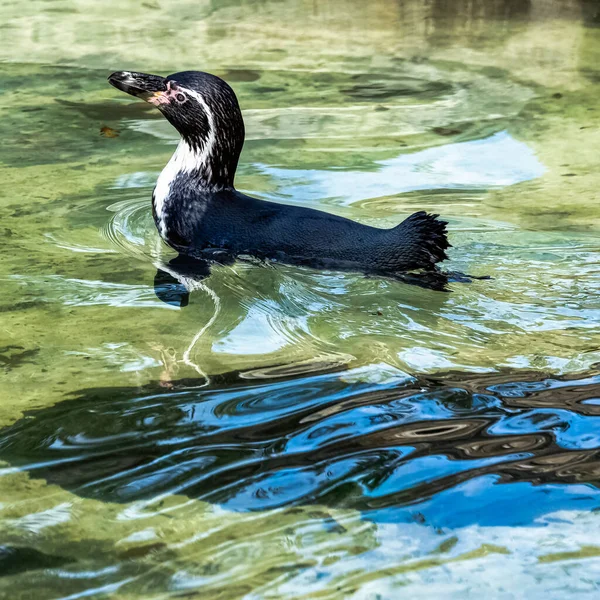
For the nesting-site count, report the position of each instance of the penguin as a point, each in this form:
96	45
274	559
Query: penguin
200	214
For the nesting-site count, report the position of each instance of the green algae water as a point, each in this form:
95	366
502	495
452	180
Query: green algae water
292	433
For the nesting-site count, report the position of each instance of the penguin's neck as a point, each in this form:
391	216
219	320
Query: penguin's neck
193	169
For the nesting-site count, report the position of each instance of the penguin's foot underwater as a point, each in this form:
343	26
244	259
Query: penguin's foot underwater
198	211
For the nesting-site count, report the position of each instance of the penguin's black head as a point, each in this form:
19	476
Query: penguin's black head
202	107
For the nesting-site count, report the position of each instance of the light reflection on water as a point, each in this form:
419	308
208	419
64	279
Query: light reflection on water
496	161
446	468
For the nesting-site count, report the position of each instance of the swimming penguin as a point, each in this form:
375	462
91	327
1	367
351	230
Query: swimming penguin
199	213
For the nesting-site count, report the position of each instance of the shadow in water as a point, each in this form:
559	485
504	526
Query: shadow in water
456	448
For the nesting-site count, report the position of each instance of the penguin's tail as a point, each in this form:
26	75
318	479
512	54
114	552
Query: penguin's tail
423	241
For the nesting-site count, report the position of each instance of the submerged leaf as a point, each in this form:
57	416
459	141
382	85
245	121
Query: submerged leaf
108	132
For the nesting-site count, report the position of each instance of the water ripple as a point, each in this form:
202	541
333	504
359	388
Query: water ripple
372	439
131	229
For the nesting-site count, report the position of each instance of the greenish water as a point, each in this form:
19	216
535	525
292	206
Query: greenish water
293	433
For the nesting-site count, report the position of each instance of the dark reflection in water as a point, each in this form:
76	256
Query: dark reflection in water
14	560
457	447
174	281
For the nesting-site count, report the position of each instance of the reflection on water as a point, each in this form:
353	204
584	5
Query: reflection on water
495	161
256	481
373	439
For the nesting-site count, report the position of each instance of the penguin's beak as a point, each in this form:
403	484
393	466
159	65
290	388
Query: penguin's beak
141	85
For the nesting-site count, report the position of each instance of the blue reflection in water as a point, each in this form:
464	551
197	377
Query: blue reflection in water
495	161
452	448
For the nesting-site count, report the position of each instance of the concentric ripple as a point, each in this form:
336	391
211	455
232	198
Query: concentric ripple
131	229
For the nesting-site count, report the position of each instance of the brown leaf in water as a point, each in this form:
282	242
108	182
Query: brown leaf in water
108	132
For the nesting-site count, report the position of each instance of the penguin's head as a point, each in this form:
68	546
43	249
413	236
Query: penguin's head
201	106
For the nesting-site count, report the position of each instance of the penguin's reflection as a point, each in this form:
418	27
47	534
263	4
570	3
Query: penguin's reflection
175	280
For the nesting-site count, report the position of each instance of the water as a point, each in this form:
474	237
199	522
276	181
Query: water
293	433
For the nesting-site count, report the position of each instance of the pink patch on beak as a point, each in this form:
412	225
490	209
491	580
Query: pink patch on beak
158	98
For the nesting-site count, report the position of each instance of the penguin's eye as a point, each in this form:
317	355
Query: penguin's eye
180	97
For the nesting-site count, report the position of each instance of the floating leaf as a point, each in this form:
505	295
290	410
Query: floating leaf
108	132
